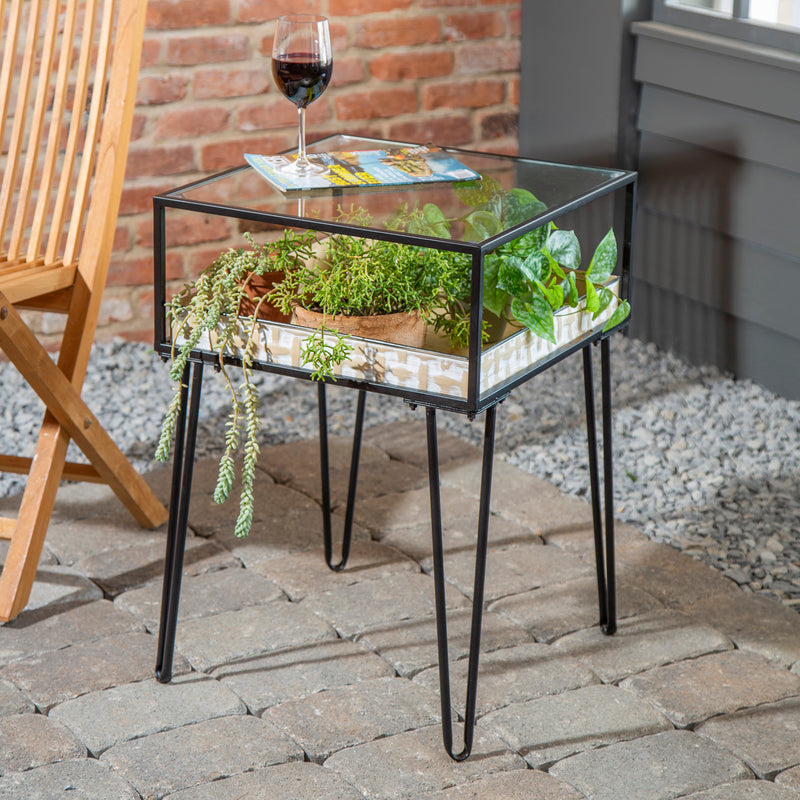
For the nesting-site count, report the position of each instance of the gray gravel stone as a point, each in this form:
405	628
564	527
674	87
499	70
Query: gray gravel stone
551	728
660	767
85	778
102	719
166	762
31	740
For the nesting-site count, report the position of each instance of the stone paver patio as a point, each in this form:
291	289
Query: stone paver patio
291	681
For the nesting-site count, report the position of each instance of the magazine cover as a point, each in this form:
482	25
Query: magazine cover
387	167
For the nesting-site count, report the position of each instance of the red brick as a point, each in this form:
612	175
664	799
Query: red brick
259	11
458	27
159	89
139	271
151	52
221	155
181	14
196	121
438	3
486	57
122	238
139	199
138	126
352	8
463	94
185	229
223	47
515	22
160	160
200	259
347	70
278	113
411	65
223	82
398	32
500	125
455	129
513	90
375	104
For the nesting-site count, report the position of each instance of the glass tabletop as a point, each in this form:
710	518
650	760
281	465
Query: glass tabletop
558	187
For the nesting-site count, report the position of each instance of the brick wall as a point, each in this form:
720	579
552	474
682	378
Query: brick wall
445	71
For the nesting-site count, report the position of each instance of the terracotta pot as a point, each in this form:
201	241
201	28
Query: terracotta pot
405	328
256	287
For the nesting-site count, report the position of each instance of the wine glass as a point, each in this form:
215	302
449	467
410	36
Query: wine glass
302	63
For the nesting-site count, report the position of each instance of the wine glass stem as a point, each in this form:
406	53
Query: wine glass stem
301	135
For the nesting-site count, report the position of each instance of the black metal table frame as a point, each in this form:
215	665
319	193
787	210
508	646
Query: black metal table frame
602	510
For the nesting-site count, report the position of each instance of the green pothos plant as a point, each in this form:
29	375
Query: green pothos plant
535	275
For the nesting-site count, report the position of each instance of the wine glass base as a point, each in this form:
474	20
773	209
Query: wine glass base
302	168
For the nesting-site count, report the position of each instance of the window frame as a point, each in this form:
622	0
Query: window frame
738	26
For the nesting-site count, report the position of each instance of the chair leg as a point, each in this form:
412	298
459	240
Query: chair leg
38	499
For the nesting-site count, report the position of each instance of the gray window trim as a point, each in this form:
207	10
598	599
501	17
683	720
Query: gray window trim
745	30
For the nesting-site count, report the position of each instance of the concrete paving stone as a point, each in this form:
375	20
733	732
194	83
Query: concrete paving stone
328	721
75	538
551	728
264	681
294	781
300	574
284	521
52	678
54	585
206	751
756	623
561	608
672	577
789	777
357	608
745	790
46	629
694	690
12	701
580	539
520	497
408	441
209	642
411	646
46	559
660	767
460	527
82	779
31	740
117	571
767	737
102	719
641	643
511	570
409	765
518	784
513	675
201	595
297	465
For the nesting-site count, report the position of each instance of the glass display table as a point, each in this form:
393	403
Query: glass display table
471	382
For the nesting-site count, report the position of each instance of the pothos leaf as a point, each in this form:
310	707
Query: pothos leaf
592	300
495	299
477	193
620	314
510	277
570	290
604	259
564	247
604	297
536	315
482	225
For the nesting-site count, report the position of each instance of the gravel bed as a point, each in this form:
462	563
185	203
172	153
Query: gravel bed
704	462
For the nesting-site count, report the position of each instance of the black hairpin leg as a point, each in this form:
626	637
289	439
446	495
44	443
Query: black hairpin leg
604	550
324	463
478	586
183	465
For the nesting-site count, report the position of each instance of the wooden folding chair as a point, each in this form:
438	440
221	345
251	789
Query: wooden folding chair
67	90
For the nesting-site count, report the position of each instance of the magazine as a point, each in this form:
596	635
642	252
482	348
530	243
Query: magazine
391	166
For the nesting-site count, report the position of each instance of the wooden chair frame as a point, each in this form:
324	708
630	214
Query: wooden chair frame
63	161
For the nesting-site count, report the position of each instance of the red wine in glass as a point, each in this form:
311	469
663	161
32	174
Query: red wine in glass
300	77
302	63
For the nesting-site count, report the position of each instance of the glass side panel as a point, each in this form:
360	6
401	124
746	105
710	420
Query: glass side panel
555	185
